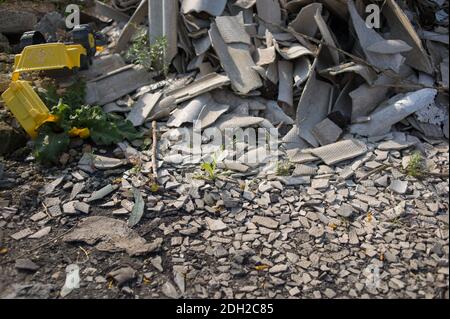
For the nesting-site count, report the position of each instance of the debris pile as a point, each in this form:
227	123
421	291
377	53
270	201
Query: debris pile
317	71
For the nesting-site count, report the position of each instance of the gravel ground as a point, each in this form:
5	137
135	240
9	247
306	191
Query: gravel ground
336	233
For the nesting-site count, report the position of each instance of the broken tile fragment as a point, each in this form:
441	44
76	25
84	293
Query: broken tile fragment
340	151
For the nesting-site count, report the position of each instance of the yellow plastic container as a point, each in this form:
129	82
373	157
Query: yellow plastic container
26	106
47	56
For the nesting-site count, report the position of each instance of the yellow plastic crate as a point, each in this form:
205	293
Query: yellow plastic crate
47	56
26	106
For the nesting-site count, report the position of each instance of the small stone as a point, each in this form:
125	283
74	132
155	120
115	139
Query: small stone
265	222
176	241
69	208
215	224
157	263
321	183
390	257
38	216
54	211
382	181
398	186
41	233
345	210
26	264
248	288
170	291
396	284
316	231
220	252
264	187
329	293
278	268
22	234
82	207
294	291
248	195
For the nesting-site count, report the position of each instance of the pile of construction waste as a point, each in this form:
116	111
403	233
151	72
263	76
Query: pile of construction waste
321	72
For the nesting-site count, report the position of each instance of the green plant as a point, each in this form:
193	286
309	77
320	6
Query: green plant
415	166
284	168
73	96
150	56
210	169
104	129
154	187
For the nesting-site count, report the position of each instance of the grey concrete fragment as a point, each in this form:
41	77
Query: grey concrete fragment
138	208
270	11
231	29
265	56
265	222
22	234
102	65
105	10
101	193
301	70
292	52
313	107
131	27
402	29
111	235
326	132
399	142
345	211
276	115
399	187
202	85
142	108
383	118
214	8
209	114
116	84
327	36
189	111
389	47
304	22
367	37
236	61
103	162
50	187
41	233
285	83
163	23
304	170
366	97
340	151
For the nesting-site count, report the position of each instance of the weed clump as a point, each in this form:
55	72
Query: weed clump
151	57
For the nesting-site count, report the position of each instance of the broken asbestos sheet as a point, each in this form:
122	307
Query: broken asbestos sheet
340	151
189	111
111	235
236	60
163	23
368	37
397	108
214	8
143	107
313	107
115	84
401	28
204	84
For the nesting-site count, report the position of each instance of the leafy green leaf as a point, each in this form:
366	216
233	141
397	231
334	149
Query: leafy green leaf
105	129
49	145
